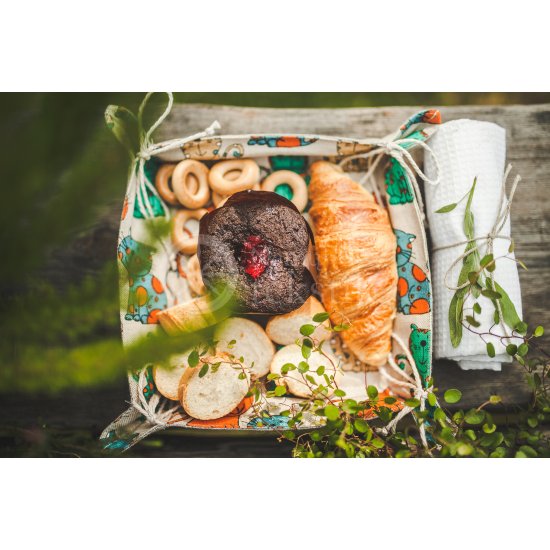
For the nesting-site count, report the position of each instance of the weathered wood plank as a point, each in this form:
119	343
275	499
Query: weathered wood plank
528	145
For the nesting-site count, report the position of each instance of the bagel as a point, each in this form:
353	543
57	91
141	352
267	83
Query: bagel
162	183
190	183
292	179
224	184
182	238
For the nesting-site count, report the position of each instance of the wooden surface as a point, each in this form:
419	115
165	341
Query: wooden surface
528	149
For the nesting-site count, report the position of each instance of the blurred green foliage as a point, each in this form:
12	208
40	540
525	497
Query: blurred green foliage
60	170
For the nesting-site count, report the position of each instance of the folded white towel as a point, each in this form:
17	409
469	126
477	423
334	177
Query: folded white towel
466	149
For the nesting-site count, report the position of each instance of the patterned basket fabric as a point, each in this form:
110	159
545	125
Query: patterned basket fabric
158	278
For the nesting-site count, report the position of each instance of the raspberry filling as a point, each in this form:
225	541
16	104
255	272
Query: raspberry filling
254	256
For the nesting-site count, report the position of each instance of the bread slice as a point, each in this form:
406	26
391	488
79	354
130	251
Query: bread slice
251	343
285	329
167	376
295	381
217	393
188	317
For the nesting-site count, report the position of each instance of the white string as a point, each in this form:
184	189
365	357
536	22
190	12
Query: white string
147	149
503	213
411	383
395	150
155	414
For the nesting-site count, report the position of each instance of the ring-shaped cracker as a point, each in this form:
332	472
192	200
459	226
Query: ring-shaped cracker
190	183
182	241
294	180
224	185
162	183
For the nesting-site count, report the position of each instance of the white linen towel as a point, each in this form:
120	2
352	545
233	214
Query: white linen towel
466	149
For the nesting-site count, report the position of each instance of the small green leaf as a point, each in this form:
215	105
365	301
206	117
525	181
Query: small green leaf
361	425
287	367
242	375
307	330
495	399
439	414
204	370
490	349
320	317
447	208
372	392
473	276
527	451
487	259
306	351
474	417
452	396
532	421
489	428
499	452
432	399
377	443
340	328
303	367
320	371
389	400
523	349
471	321
496	317
521	327
512	246
509	313
539	331
464	449
403	453
511	349
413	403
193	359
491	294
280	391
332	412
477	308
339	393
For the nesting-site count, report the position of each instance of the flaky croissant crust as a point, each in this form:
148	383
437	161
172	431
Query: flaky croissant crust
355	247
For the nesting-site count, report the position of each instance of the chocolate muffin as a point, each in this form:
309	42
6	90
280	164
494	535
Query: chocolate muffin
259	244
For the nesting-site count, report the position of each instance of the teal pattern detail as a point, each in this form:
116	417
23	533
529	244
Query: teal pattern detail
420	344
150	169
397	184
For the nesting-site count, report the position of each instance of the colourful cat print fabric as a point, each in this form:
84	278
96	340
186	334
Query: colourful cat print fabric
153	274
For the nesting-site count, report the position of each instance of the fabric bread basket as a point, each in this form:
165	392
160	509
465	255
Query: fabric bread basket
383	164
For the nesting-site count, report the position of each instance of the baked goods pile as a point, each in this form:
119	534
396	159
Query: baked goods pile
259	244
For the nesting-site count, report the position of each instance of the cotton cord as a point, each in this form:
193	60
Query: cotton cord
397	150
413	384
155	410
503	214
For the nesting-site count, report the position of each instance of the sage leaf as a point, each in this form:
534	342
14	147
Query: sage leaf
447	208
509	313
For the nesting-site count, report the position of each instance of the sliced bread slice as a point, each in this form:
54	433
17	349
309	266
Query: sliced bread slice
295	381
167	376
244	338
188	317
215	394
285	329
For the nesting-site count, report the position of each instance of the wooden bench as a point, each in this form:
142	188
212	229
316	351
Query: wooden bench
528	148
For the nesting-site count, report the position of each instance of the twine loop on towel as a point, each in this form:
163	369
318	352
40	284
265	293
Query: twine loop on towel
503	212
396	150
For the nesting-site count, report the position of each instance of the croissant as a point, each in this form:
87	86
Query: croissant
355	248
